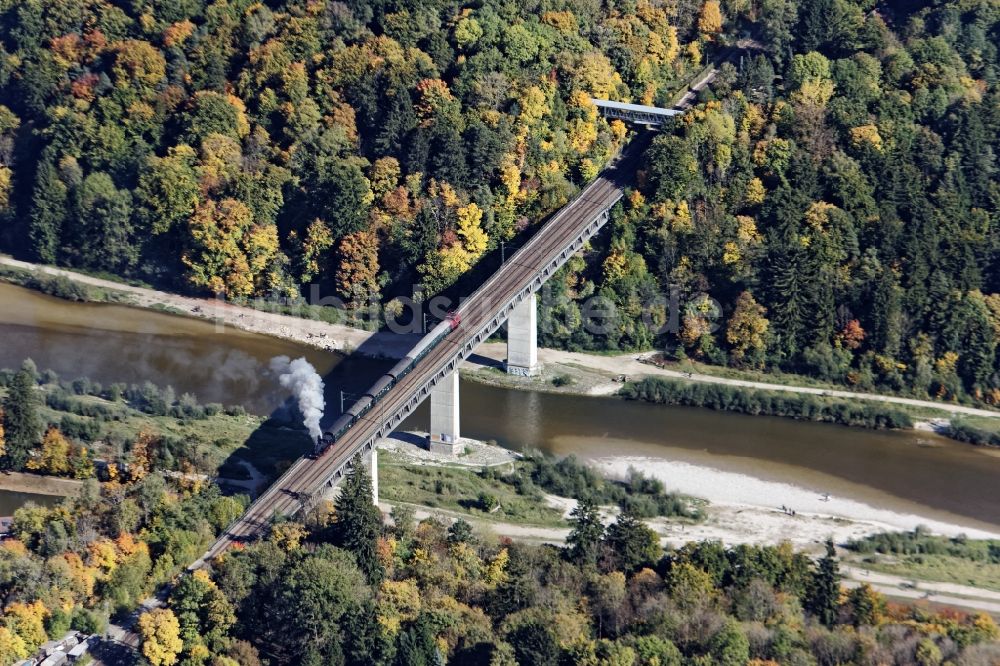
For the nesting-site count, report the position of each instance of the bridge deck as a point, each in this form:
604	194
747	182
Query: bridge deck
638	113
561	236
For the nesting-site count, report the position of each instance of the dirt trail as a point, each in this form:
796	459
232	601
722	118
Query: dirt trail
948	594
23	482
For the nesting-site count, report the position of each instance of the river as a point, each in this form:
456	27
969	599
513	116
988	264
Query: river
903	471
113	343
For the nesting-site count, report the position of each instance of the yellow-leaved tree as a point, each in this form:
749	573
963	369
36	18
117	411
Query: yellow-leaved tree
747	331
318	240
469	229
445	265
228	253
12	647
161	636
140	456
357	267
54	458
398	602
27	621
710	20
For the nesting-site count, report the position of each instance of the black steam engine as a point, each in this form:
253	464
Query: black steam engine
378	390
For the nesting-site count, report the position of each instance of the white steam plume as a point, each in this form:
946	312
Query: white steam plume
301	378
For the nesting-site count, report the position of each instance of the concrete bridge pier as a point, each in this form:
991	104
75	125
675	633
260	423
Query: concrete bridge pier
373	460
522	338
444	413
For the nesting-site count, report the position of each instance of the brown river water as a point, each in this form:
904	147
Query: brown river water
899	470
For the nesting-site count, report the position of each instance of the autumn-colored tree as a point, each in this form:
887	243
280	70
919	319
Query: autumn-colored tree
470	231
317	241
444	265
755	192
358	267
597	76
81	464
54	458
434	100
287	535
747	331
384	176
852	334
228	253
160	633
27	621
866	136
141	455
398	602
138	63
710	19
219	163
12	647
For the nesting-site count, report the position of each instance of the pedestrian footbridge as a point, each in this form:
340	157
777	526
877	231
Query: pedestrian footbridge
635	113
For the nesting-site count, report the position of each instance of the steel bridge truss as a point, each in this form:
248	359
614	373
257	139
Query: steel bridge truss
639	117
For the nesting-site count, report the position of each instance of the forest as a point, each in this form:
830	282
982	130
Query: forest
829	207
340	586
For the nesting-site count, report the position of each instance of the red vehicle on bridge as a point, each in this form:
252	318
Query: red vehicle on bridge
454	319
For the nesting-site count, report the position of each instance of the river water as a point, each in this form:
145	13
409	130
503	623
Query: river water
112	343
904	471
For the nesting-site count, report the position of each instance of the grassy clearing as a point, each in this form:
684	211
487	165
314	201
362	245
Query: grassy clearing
979	430
920	555
937	568
516	493
984	423
462	490
209	443
220	441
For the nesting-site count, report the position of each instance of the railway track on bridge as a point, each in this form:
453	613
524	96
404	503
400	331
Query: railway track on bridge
481	314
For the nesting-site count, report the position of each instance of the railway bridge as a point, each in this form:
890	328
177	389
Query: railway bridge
431	368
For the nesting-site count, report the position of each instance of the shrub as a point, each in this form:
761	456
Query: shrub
965	432
59	286
562	380
920	542
568	477
85	431
488	503
807	407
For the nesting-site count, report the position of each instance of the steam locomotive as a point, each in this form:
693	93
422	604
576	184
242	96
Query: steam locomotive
378	390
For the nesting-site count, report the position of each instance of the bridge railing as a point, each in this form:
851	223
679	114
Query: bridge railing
481	295
452	363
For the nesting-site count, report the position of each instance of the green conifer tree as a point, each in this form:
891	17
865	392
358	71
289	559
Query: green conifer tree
359	522
22	424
